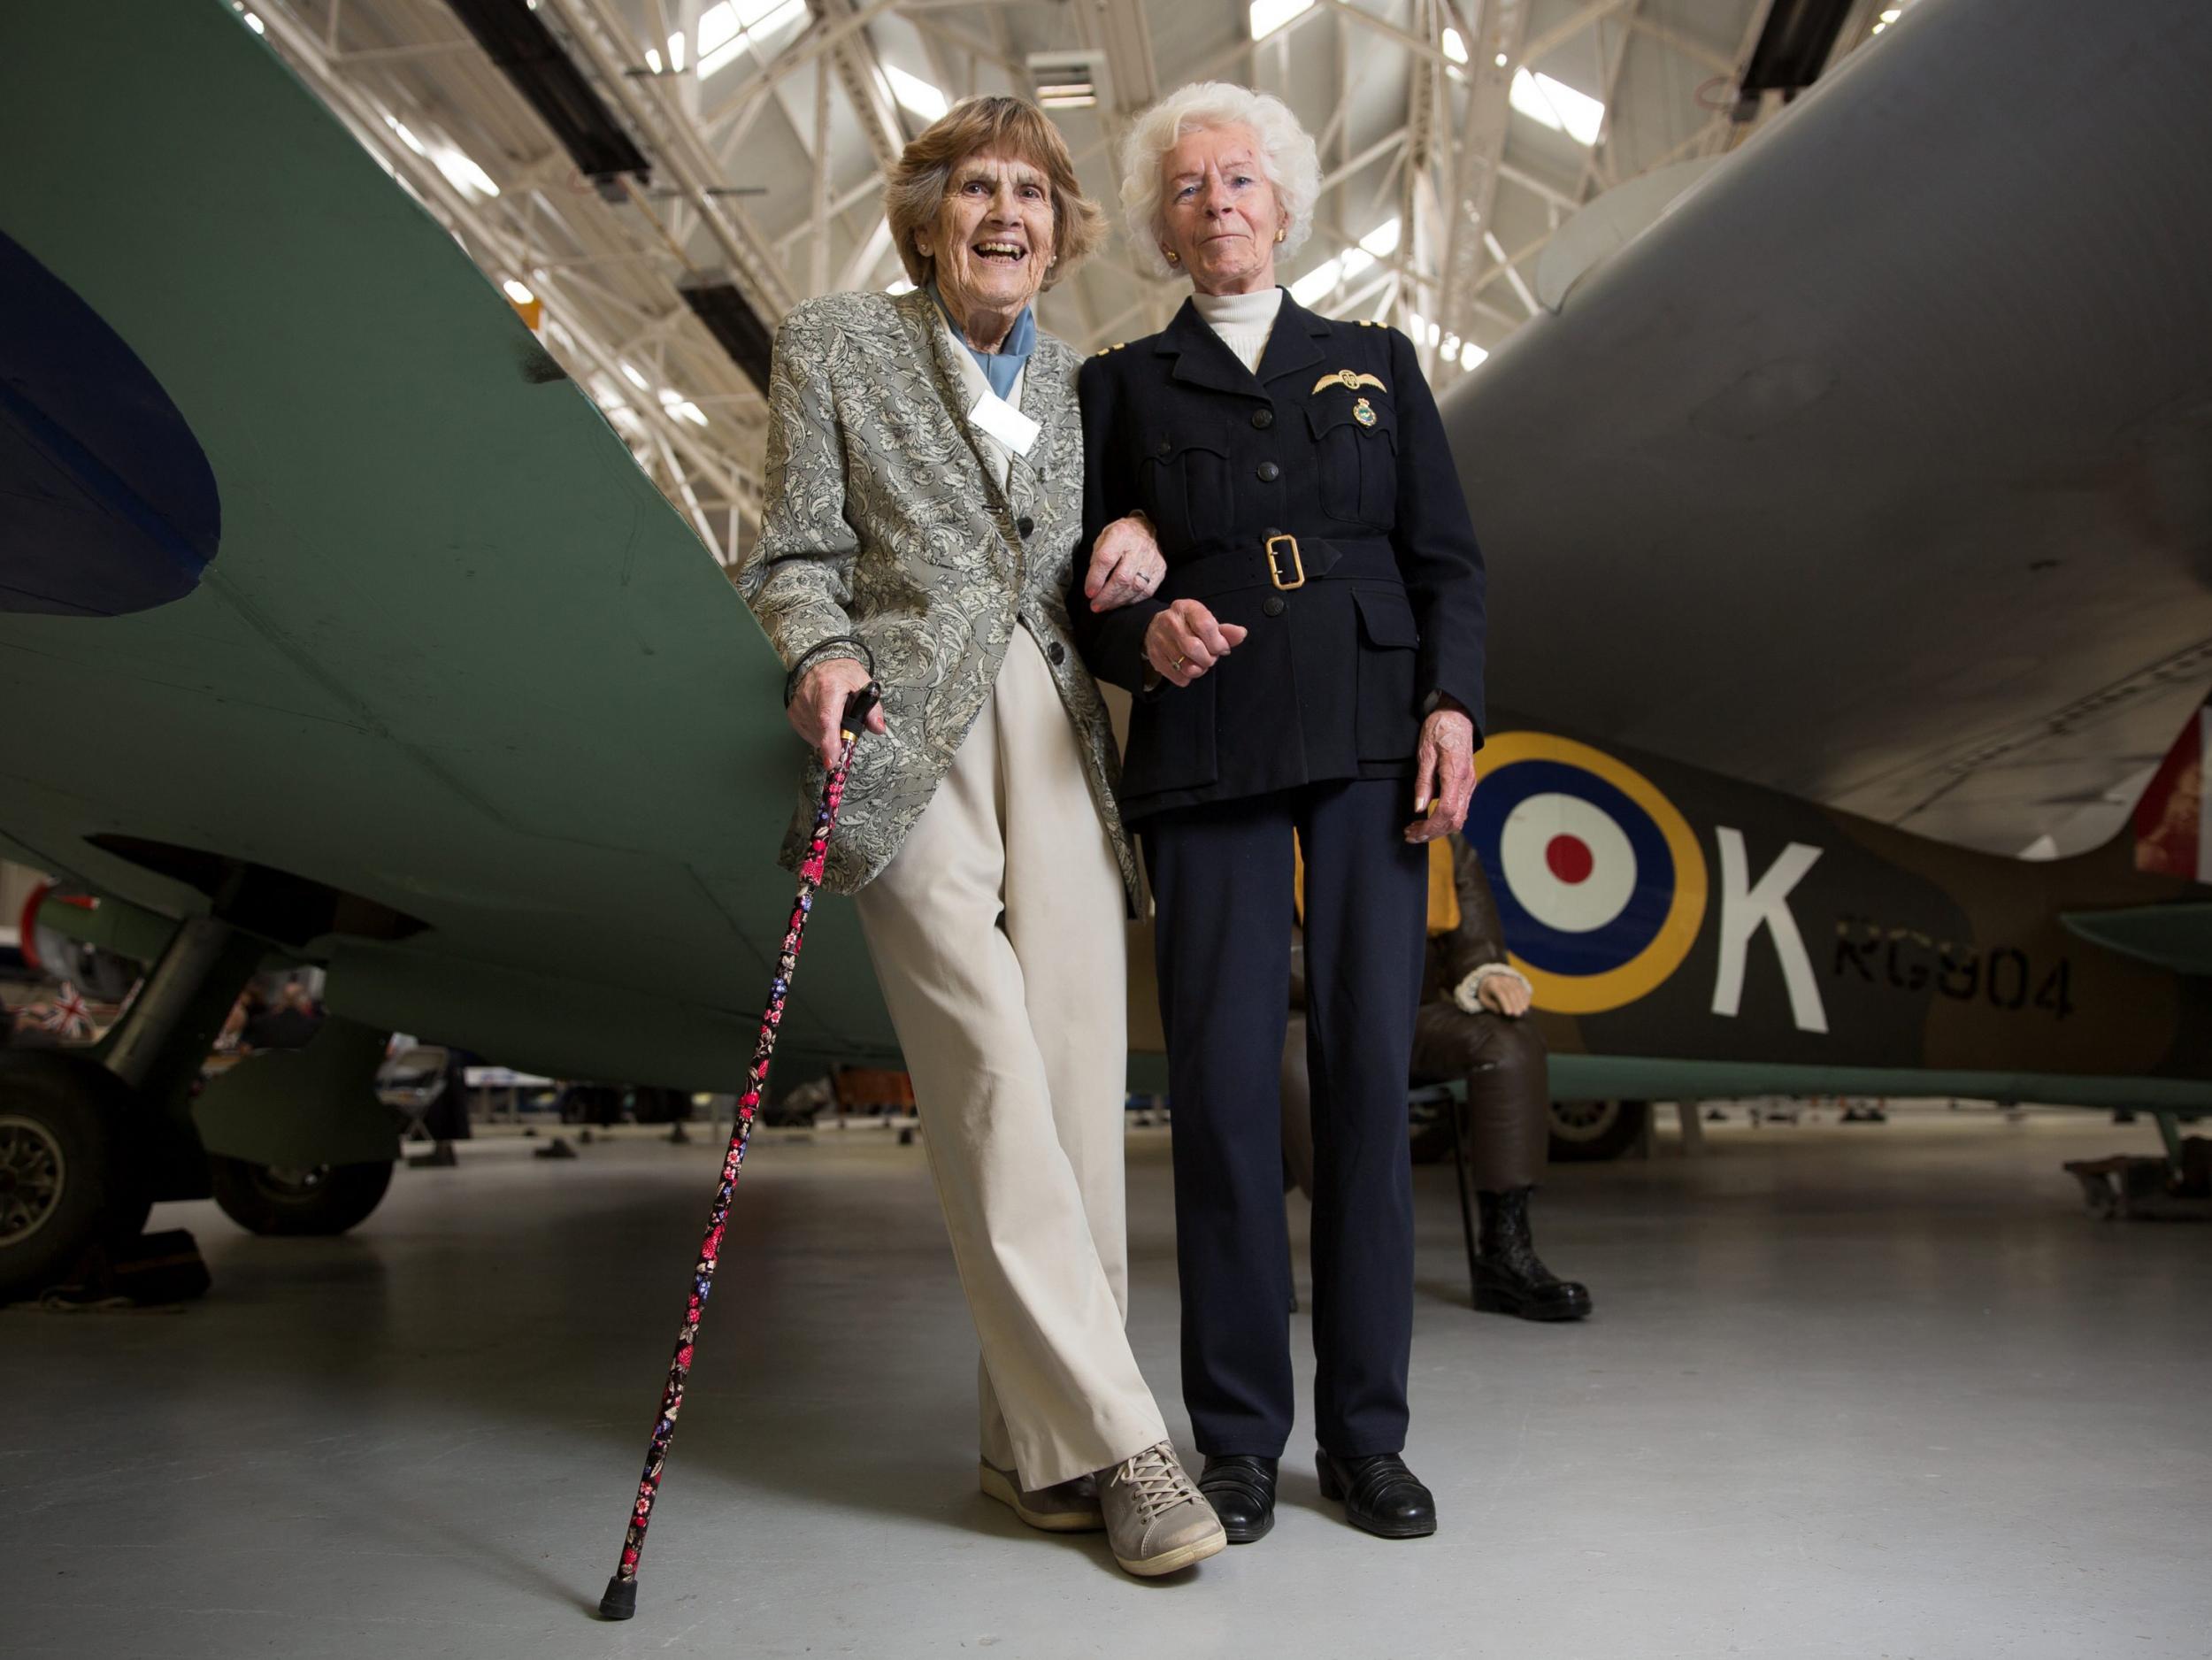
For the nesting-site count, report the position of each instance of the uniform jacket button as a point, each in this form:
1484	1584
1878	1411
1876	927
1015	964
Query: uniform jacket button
1270	473
1166	445
1057	652
1026	526
1273	604
1263	419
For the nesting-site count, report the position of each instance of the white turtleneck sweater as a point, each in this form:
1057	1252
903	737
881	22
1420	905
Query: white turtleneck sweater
1243	320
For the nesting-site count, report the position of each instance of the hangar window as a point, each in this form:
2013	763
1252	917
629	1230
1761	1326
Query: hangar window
1558	105
728	28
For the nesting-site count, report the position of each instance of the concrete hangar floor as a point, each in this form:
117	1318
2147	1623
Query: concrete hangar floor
1851	1391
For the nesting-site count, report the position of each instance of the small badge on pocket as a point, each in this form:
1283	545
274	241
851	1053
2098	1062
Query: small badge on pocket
1364	413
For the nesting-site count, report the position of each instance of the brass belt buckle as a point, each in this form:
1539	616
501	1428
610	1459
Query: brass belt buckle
1297	564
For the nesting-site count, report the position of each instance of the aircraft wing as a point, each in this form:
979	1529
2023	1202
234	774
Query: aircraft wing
1879	469
395	611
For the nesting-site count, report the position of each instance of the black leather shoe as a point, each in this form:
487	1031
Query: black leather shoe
1240	1487
1509	1277
1381	1495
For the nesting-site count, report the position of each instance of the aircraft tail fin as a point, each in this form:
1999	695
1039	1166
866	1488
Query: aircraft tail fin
2173	820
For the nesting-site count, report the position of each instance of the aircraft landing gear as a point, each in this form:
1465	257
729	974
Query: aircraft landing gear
277	1199
1585	1131
66	1180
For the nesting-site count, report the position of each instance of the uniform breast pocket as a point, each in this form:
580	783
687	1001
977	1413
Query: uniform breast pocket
1388	726
1185	483
1358	460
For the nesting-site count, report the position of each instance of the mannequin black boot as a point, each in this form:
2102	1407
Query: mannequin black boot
1508	1276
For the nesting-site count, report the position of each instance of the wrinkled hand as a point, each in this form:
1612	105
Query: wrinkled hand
817	710
1183	641
1444	776
1126	564
1503	994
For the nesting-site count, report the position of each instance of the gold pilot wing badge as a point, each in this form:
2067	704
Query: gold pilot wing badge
1350	380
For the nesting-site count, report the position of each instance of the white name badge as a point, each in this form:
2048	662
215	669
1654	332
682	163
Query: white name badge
995	416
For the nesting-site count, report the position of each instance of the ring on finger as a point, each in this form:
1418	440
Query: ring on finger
1181	657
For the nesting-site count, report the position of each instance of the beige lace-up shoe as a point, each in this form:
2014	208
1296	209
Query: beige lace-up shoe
1071	1507
1155	1520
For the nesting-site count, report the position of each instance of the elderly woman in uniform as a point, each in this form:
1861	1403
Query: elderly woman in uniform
1311	667
924	507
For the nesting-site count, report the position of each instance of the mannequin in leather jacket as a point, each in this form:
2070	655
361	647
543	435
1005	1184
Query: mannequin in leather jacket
1470	1024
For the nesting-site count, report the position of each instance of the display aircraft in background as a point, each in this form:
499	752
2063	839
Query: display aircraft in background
357	637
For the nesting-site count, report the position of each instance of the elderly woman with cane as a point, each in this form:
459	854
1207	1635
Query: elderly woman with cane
1308	675
923	512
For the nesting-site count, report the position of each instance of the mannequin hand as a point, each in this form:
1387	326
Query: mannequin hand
1503	994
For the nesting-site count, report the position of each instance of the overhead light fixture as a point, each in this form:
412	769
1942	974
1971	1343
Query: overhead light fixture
916	94
463	174
516	292
1500	60
736	326
1067	79
653	60
634	377
405	137
676	52
1455	45
681	407
1267	16
1892	14
1558	105
1471	354
524	50
901	285
1796	41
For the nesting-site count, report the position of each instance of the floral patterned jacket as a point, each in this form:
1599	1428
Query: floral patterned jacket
882	523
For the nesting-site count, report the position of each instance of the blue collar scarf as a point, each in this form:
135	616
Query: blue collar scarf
1003	366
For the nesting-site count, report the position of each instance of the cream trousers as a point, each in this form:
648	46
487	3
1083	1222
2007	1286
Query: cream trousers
997	935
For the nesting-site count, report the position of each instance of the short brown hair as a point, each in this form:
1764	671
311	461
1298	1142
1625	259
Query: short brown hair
1012	126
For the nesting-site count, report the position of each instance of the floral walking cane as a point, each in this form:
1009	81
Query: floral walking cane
620	1601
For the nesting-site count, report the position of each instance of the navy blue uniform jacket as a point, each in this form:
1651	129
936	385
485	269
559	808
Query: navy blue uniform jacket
1315	502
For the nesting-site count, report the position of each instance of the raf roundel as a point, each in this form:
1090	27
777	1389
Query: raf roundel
1600	882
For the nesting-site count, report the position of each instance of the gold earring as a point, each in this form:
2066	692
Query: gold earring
1280	235
1173	258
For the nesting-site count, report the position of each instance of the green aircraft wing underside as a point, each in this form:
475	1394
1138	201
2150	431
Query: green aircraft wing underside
455	653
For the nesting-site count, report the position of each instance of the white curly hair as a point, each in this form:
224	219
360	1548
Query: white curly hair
1287	159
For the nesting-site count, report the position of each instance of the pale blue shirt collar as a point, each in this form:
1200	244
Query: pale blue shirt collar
1001	368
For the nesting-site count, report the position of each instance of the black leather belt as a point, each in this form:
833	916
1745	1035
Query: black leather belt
1283	562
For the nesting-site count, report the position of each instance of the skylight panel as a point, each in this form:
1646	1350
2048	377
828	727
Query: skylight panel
915	93
729	27
1382	241
1267	16
1318	283
1558	105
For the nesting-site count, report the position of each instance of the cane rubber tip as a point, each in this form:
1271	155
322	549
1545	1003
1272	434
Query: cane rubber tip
620	1601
